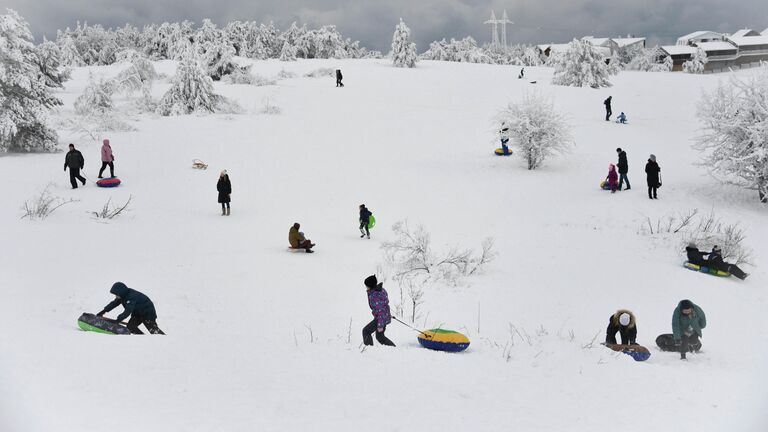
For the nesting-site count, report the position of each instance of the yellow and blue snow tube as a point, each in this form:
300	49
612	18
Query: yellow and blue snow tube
705	269
443	340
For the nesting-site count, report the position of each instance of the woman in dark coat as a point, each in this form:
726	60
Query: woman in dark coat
652	171
225	189
622	322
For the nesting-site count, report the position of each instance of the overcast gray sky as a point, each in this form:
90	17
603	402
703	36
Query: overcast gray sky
373	21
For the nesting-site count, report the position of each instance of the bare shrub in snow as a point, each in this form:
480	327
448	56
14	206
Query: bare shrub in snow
109	211
41	206
403	50
735	139
696	64
284	74
535	128
269	107
320	72
582	65
191	90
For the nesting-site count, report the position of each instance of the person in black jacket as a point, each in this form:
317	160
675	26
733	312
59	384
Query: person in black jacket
74	160
623	168
225	190
716	262
365	218
137	305
608	111
338	78
695	256
623	322
652	171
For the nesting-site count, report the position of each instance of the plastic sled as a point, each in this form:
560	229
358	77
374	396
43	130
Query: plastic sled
198	164
705	269
500	152
604	185
443	340
91	322
637	352
371	222
666	342
108	182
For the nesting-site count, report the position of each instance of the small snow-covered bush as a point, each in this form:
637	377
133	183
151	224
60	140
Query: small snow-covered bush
403	50
535	128
696	64
582	65
191	90
109	211
269	107
139	74
320	72
96	97
284	74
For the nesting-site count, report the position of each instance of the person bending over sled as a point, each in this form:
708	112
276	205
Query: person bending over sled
687	321
137	305
297	240
695	256
365	219
379	303
716	262
623	322
622	118
613	178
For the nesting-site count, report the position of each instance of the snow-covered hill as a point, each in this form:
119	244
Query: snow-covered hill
263	339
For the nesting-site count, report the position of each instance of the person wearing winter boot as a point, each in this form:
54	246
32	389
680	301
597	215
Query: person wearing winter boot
613	178
365	219
379	303
107	159
137	305
608	111
74	160
225	190
622	118
623	322
504	135
623	168
297	240
652	171
716	262
522	74
695	256
339	77
687	321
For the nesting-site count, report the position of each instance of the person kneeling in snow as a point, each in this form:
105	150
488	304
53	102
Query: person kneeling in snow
687	321
623	322
297	240
379	303
622	118
613	178
137	305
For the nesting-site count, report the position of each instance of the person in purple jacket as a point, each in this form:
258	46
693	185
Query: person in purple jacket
379	303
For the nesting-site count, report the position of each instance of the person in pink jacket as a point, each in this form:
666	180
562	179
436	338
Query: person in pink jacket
107	158
613	178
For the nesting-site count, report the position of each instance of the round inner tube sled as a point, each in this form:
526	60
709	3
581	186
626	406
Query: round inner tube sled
705	269
108	182
443	340
604	185
500	152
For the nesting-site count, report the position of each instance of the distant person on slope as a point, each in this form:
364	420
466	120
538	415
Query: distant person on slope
225	190
687	321
622	118
695	256
339	77
297	240
623	168
623	322
652	171
716	262
75	162
379	304
365	219
137	305
613	178
504	135
522	73
107	159
608	111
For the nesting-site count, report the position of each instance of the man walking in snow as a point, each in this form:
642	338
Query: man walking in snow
338	78
74	160
137	305
379	304
623	168
107	159
608	111
365	219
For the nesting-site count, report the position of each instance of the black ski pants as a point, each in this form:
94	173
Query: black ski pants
689	344
364	226
370	329
608	113
652	192
111	168
150	324
74	176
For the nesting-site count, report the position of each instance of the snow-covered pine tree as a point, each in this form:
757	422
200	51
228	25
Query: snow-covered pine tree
581	65
138	76
191	89
96	98
650	60
49	62
535	128
24	98
217	59
288	53
69	54
735	141
403	50
696	64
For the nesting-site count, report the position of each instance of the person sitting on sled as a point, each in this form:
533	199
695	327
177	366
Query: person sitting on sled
716	262
504	135
297	240
137	305
612	178
623	322
622	118
695	256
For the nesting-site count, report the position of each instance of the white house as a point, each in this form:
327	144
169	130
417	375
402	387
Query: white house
745	46
700	36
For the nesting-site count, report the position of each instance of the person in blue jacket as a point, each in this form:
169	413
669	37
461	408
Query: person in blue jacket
504	135
622	118
137	305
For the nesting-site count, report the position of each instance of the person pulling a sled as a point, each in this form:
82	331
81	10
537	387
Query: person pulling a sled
75	162
107	159
623	322
137	305
297	240
378	300
716	262
365	219
687	321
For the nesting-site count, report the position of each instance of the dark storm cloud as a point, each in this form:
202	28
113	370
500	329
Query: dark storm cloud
372	21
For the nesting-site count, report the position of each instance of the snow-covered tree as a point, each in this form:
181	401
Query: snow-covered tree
217	59
531	57
288	53
49	61
581	65
96	98
696	64
650	60
535	128
191	89
403	50
735	141
137	77
69	54
24	97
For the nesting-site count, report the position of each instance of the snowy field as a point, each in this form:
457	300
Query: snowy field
259	338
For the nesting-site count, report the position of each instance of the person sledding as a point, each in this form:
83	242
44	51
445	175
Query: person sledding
716	262
612	178
365	220
695	256
378	300
137	305
297	240
622	118
504	136
687	321
624	323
